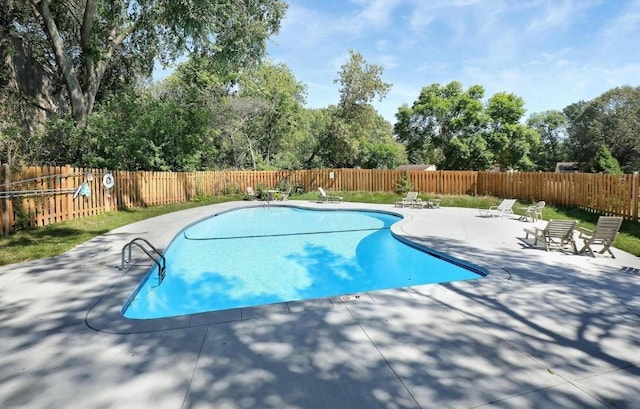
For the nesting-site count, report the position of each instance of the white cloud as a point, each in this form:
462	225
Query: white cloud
378	12
382	45
619	29
387	61
549	52
555	14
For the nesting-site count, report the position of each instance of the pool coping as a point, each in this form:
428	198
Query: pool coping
106	313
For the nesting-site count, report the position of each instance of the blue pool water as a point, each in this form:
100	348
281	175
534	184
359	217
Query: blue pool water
256	256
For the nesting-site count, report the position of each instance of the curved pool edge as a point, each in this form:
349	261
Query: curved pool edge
106	313
250	205
399	234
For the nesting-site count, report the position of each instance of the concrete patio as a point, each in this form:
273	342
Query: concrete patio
542	330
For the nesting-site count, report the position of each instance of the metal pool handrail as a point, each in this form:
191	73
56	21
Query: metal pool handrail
157	258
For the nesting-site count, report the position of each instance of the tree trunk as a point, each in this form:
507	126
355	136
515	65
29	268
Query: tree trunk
82	99
78	106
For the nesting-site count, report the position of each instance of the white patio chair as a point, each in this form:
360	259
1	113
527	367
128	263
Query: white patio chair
535	211
604	235
410	200
557	233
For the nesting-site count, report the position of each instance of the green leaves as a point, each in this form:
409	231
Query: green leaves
604	162
282	100
452	128
612	119
505	109
552	128
445	126
360	83
352	134
88	38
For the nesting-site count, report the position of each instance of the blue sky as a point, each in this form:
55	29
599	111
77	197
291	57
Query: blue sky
551	53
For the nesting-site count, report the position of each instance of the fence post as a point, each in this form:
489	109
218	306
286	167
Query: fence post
476	183
634	194
67	201
6	227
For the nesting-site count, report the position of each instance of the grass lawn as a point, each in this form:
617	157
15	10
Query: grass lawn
37	243
33	244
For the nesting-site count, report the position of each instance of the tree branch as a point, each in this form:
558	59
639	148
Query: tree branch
87	25
114	40
73	13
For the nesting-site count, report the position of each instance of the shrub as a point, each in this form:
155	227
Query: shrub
402	184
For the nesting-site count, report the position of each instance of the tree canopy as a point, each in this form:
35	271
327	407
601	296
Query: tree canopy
444	126
552	128
81	39
612	119
354	134
604	162
227	106
512	143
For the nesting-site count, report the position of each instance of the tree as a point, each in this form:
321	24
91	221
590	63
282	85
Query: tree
604	162
283	98
511	142
379	150
356	135
612	119
80	39
407	131
360	83
202	86
252	111
13	148
552	128
314	149
234	117
296	152
143	129
445	126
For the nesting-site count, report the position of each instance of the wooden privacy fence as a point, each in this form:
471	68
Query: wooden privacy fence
38	196
608	194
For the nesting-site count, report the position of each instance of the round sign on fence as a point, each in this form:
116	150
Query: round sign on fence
108	181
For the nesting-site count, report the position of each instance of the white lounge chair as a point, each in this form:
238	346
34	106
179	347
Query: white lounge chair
324	197
504	208
557	233
251	193
410	200
604	235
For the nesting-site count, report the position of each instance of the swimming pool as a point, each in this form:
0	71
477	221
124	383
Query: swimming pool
259	255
